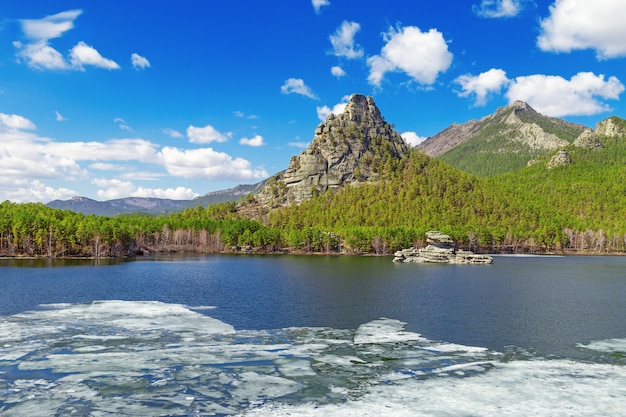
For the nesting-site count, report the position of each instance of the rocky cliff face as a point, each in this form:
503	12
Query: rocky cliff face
347	148
611	127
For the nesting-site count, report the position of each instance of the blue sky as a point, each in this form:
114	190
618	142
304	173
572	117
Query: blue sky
176	99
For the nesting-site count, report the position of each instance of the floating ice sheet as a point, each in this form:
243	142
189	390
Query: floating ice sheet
114	358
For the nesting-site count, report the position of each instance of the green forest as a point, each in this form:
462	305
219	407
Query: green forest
577	208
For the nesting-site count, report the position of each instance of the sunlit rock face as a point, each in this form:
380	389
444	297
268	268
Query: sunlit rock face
611	127
349	147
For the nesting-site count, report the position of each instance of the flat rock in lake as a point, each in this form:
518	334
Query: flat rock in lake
441	250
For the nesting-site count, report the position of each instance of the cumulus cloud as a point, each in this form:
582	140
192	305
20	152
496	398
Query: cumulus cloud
208	164
412	138
104	166
27	160
318	4
83	54
39	54
206	134
21	190
172	133
420	55
498	8
297	86
552	95
343	41
15	122
111	189
481	85
324	111
139	62
337	71
574	24
256	141
49	27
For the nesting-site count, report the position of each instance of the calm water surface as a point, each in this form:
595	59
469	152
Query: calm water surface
328	327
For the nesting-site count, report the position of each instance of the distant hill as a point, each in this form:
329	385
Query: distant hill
502	142
154	206
226	196
123	205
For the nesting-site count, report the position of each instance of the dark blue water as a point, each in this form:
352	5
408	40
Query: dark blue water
547	304
312	336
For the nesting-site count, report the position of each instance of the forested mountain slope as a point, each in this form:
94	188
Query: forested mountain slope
502	142
580	205
572	199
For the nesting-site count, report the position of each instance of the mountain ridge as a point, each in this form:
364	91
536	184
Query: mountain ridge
342	143
504	141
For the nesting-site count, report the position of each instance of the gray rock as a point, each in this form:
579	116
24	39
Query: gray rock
441	250
347	148
588	139
561	158
611	127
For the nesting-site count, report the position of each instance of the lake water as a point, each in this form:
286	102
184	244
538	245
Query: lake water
313	336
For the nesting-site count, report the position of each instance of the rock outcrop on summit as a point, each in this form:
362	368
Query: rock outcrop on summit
347	148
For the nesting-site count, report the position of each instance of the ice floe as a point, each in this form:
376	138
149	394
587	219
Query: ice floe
111	358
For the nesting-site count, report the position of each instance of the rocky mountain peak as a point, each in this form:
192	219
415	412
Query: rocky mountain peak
510	137
349	147
611	127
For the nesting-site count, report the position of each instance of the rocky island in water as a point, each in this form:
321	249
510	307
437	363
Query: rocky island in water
440	249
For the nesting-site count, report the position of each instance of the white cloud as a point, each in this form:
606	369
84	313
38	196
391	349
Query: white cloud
256	141
421	55
301	145
59	117
208	164
83	54
121	123
139	62
498	8
38	53
318	4
482	85
324	111
412	138
49	27
556	96
172	133
20	190
15	122
27	160
206	134
343	41
577	24
114	188
103	166
337	71
297	86
242	115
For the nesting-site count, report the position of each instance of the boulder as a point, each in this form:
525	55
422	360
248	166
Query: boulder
441	250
